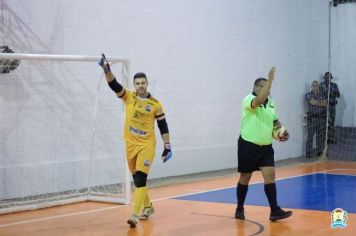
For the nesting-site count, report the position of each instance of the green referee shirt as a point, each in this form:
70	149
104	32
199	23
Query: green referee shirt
257	123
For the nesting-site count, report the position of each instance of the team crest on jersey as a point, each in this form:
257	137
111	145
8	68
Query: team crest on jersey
148	108
146	163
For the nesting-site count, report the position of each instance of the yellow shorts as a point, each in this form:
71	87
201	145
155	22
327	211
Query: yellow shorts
140	157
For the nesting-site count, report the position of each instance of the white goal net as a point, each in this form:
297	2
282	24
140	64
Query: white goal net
330	124
60	132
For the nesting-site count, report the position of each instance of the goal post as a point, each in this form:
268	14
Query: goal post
61	132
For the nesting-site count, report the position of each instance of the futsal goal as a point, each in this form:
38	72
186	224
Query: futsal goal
61	132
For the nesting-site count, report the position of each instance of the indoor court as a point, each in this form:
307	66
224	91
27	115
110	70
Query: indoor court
109	106
207	208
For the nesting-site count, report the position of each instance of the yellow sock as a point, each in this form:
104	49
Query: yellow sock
140	195
147	202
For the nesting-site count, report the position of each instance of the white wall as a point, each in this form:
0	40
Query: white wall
201	58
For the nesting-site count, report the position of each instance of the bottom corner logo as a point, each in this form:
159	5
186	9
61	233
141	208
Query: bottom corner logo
338	218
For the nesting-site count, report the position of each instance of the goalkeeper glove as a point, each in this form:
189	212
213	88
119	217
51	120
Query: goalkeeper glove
167	152
104	64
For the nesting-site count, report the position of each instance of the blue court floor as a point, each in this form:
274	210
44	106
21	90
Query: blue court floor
320	191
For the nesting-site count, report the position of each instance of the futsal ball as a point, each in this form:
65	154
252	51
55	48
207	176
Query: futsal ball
278	133
8	65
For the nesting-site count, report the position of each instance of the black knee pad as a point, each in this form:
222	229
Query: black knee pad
140	179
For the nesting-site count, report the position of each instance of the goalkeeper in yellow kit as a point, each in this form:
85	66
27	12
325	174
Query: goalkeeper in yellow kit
141	111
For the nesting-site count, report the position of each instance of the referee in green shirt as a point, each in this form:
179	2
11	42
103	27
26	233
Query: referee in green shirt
255	151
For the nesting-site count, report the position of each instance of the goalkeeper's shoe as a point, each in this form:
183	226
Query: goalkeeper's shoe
132	221
146	212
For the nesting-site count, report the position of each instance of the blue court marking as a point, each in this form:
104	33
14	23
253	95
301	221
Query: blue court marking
323	192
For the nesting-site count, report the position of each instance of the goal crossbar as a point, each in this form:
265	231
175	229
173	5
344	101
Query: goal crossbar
54	57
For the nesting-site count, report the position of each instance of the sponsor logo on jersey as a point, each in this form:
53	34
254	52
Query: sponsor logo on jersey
137	131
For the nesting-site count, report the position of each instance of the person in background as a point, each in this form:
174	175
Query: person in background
325	87
316	118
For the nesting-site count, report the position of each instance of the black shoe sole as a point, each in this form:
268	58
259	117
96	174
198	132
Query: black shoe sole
240	215
280	217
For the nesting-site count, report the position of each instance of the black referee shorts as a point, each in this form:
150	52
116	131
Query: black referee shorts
251	156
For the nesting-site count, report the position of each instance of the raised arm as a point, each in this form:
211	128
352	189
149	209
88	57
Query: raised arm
265	91
110	77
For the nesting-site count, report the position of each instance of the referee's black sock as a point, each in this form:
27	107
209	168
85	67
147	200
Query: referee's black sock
241	192
271	193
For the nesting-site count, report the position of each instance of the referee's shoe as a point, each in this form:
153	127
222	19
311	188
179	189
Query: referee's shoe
279	214
239	213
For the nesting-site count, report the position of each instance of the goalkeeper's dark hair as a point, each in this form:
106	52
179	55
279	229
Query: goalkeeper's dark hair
257	81
140	75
